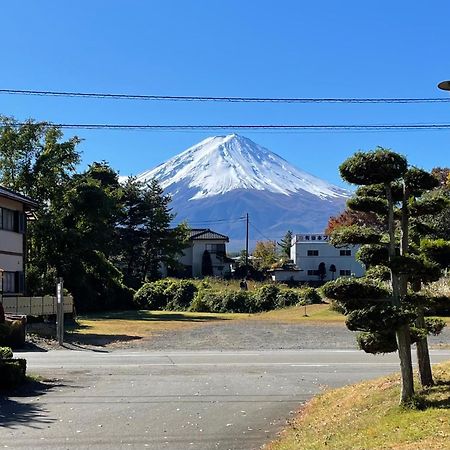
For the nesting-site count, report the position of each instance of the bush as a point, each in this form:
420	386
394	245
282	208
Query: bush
265	298
238	302
180	294
377	342
5	331
309	295
287	297
152	295
6	353
12	372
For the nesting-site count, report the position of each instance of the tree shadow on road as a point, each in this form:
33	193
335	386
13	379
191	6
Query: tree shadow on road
18	407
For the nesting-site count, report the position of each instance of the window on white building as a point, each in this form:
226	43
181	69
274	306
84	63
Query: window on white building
313	272
345	253
313	253
345	273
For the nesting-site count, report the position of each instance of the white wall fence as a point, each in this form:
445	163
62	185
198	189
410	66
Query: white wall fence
35	306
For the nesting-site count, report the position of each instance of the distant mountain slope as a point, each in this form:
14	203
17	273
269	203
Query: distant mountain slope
217	181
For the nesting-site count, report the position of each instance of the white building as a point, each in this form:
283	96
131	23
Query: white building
308	251
203	240
13	210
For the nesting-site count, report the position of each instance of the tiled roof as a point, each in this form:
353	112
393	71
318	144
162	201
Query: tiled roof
206	234
8	193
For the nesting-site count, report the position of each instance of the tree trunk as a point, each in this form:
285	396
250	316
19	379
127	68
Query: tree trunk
404	353
423	355
402	333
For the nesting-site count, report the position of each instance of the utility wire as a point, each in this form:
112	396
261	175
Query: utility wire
194	98
260	233
269	127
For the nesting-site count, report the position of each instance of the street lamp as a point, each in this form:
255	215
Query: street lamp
444	85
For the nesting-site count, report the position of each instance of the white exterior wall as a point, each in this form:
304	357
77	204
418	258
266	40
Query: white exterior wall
11	243
302	243
192	256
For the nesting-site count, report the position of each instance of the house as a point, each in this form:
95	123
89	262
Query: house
204	242
14	209
309	251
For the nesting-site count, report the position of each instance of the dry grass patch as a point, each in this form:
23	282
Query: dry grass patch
317	314
367	416
144	323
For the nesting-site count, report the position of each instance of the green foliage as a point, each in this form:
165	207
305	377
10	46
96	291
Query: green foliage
285	244
168	294
180	294
6	353
288	297
378	166
12	372
238	302
378	317
346	290
266	297
372	255
377	343
368	204
378	273
309	295
434	325
437	250
418	180
152	295
353	235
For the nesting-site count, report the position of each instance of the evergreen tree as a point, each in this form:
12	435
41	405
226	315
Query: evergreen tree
285	244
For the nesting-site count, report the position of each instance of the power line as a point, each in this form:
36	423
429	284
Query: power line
195	98
268	127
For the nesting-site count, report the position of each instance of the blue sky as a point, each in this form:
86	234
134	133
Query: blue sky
232	48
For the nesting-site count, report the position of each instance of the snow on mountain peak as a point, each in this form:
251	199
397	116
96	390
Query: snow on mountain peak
220	164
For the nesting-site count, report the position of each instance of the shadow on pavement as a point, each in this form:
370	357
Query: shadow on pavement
17	407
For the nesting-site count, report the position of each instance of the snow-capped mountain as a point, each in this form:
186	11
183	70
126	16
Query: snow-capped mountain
215	182
221	164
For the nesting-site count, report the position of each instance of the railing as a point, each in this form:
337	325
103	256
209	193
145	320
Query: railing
35	306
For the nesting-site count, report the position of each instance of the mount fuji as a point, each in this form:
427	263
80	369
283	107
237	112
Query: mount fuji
214	183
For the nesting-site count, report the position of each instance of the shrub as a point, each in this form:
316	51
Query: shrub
287	297
200	303
152	295
238	302
12	372
5	331
309	295
180	294
265	298
377	342
6	353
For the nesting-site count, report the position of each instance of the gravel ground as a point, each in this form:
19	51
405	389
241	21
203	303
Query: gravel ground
263	335
232	335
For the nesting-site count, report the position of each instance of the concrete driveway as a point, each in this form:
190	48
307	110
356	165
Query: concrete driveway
173	400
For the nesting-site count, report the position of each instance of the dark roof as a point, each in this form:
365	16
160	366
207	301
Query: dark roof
8	193
205	234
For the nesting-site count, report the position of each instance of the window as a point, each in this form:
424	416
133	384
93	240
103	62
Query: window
7	219
313	253
8	282
12	220
215	248
345	273
345	253
313	272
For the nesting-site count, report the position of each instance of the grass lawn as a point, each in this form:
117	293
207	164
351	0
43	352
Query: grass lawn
367	416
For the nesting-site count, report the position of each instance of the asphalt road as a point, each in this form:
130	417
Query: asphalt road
173	400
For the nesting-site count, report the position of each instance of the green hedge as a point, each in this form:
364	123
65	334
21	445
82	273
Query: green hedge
12	372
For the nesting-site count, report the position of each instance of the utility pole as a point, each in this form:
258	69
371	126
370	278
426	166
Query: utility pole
246	246
60	311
